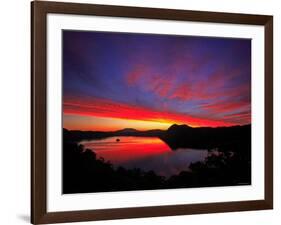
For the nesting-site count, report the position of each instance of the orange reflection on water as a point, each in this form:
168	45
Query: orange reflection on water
127	148
145	153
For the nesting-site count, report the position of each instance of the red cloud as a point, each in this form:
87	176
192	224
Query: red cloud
241	117
134	76
183	92
218	90
106	108
222	107
179	85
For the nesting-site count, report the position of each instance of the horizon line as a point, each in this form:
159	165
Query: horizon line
158	129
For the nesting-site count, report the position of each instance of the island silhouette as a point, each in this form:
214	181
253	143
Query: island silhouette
228	162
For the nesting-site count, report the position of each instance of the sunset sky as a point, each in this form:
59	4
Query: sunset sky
113	81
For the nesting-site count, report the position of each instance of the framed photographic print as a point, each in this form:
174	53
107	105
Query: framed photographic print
142	112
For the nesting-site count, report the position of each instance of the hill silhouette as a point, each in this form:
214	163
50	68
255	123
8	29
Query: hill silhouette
77	135
183	136
228	162
179	136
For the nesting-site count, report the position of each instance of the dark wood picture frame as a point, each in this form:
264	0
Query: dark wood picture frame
39	11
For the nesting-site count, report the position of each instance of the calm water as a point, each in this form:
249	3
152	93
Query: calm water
146	153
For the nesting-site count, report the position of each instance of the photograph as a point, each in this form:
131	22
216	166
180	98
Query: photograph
146	111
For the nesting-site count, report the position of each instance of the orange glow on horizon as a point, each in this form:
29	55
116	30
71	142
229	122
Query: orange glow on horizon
106	115
91	123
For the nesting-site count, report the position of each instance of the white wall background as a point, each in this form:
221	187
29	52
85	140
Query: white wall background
15	111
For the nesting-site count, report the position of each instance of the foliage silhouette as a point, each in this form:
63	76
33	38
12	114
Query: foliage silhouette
228	162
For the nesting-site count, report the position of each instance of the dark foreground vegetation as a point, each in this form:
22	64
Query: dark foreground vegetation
228	162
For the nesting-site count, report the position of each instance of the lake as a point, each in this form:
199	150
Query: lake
145	153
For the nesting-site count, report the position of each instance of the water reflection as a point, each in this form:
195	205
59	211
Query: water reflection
146	153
